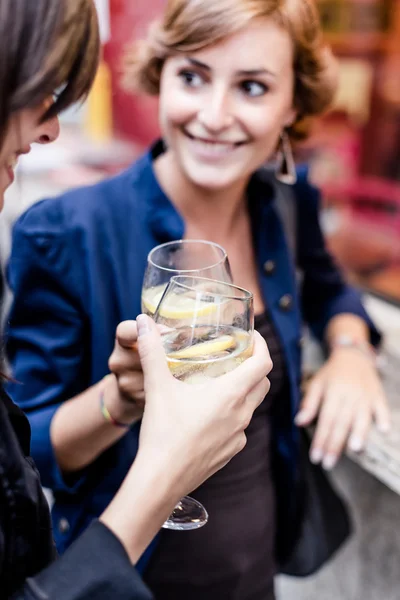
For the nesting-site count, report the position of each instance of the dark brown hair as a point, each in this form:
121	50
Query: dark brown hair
47	48
189	25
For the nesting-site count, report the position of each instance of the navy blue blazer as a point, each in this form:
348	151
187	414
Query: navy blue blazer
76	271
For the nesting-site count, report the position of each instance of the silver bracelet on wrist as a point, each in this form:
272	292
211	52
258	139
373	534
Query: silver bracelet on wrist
347	341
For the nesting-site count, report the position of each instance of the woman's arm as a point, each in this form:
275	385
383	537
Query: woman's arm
346	394
353	326
79	431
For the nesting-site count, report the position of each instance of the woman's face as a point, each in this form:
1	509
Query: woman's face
24	129
223	108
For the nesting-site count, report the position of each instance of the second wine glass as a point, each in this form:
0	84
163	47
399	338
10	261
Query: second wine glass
181	257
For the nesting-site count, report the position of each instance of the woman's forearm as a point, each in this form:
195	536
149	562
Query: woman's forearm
347	324
79	432
145	500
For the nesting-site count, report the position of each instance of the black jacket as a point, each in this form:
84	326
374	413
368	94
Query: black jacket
95	567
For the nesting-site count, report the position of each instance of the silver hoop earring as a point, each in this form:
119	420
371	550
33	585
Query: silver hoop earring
285	168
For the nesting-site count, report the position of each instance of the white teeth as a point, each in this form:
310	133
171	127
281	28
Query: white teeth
12	163
215	148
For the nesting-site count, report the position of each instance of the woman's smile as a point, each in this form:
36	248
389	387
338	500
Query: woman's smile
207	148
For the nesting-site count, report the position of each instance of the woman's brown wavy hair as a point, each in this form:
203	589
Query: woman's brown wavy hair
189	25
47	48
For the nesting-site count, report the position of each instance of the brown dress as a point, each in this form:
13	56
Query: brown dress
232	557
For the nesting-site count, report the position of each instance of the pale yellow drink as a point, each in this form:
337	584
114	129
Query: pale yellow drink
151	298
180	308
198	354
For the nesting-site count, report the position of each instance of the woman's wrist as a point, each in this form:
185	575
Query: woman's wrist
118	406
346	343
144	502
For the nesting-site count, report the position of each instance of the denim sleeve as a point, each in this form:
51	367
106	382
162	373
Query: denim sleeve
45	328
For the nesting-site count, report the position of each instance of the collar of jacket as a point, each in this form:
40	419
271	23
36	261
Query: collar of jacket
165	222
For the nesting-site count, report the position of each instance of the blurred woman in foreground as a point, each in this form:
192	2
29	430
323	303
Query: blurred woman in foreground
49	49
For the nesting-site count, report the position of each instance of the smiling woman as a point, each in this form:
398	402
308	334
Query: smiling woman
187	27
222	109
282	75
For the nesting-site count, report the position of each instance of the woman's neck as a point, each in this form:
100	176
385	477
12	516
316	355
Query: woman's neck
213	214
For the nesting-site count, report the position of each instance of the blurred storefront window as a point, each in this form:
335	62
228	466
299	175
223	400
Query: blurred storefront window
355	150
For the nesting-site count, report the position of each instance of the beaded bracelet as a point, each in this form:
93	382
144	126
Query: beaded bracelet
108	417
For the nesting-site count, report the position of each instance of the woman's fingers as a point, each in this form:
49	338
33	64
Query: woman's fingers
346	395
255	397
132	385
360	430
339	433
124	359
127	334
322	432
152	355
311	403
339	407
251	372
346	419
125	363
382	413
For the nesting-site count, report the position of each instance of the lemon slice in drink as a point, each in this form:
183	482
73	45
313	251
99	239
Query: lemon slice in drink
151	298
178	306
225	342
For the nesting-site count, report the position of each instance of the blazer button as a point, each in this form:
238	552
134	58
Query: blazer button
286	303
269	267
63	525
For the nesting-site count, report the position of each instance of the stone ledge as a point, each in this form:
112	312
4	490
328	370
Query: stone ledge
381	457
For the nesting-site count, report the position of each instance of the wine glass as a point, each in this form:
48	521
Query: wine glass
208	331
181	257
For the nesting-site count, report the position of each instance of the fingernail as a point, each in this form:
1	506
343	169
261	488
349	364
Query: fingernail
142	325
316	456
300	418
329	462
383	427
356	444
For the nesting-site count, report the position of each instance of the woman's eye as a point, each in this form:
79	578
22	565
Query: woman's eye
190	78
253	88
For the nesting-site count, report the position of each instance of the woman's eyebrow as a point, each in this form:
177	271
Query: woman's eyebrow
243	72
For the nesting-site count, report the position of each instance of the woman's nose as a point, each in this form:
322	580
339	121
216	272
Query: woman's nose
48	131
216	114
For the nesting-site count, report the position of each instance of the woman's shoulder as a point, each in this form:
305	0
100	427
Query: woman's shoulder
305	181
307	193
303	189
82	207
